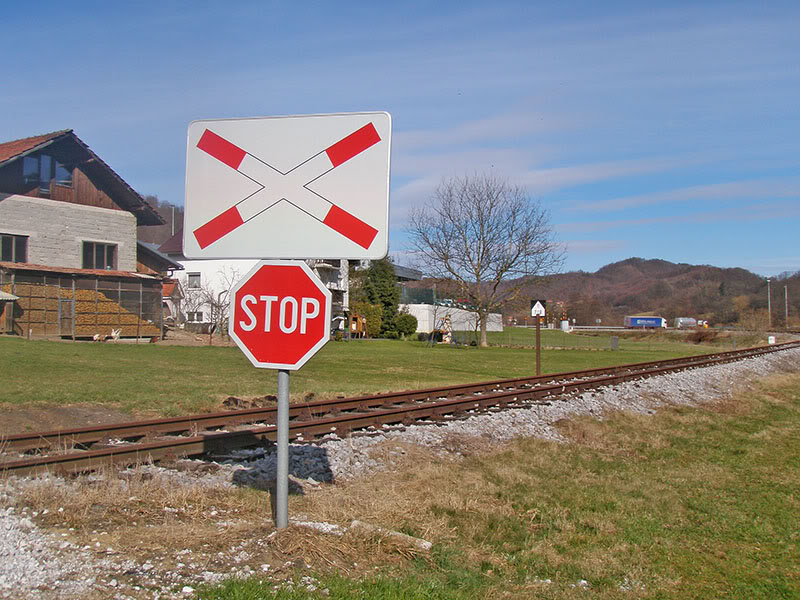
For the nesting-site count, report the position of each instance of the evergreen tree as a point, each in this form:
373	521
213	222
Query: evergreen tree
380	287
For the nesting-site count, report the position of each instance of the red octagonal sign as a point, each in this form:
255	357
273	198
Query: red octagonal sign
280	314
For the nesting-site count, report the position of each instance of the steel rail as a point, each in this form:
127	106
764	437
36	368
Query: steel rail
86	437
412	409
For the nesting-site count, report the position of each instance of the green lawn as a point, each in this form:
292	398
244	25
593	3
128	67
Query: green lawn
601	340
552	338
690	503
172	380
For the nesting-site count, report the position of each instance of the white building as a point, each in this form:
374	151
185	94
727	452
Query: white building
207	283
433	316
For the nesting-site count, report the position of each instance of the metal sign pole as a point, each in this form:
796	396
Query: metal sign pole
538	346
282	475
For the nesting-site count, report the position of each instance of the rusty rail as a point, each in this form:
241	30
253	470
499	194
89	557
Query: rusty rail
136	442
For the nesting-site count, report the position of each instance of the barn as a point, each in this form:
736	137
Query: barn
69	256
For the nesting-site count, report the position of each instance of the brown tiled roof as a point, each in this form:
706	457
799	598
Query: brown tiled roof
15	266
9	150
173	245
123	194
168	287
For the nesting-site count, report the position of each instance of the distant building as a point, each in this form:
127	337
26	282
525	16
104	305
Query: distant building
432	317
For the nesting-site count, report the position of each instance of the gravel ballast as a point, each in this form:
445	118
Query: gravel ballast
38	564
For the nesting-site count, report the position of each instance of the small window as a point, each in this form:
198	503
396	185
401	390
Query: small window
63	175
194	280
13	248
45	174
30	169
195	316
99	256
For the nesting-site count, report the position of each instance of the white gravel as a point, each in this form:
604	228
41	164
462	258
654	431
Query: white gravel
30	559
37	564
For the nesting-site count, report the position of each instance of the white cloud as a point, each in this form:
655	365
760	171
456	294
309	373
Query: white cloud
459	162
501	127
593	246
543	180
413	193
757	188
757	211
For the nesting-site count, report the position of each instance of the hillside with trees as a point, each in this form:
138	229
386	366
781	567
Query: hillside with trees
658	287
723	296
158	234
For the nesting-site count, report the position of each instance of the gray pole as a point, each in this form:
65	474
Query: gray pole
282	481
769	305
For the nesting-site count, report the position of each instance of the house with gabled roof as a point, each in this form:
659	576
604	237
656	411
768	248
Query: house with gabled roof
68	248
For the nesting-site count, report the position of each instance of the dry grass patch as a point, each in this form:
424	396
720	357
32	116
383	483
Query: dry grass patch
438	498
153	516
184	524
114	499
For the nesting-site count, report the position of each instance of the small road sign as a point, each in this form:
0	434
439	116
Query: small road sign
538	308
288	187
280	314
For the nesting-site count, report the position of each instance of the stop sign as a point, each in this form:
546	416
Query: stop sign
280	314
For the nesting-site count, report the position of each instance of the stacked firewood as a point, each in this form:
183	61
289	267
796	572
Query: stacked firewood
95	313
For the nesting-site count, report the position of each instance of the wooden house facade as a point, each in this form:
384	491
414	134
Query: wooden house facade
68	248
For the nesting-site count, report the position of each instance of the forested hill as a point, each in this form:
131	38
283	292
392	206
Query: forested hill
659	287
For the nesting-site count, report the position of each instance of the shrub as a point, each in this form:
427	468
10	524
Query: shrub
406	324
422	336
702	335
372	313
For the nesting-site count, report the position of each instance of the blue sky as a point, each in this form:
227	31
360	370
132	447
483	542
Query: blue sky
666	130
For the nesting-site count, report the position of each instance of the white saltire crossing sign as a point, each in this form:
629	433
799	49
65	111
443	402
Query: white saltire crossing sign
310	186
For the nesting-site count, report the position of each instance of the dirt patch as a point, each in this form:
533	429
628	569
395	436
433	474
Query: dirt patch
21	419
179	337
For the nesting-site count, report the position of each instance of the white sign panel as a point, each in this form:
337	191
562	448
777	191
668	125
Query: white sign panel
537	308
314	186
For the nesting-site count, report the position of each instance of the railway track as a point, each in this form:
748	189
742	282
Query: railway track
83	449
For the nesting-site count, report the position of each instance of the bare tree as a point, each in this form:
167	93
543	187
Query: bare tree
213	298
488	236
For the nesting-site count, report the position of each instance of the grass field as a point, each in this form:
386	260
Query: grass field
627	338
172	380
689	503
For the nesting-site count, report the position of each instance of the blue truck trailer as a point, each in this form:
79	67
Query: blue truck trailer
645	322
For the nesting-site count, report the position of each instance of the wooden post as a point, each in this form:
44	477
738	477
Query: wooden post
538	346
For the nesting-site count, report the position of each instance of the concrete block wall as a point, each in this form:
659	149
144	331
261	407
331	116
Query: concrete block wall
57	230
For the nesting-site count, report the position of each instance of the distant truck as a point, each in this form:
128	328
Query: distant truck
645	322
684	323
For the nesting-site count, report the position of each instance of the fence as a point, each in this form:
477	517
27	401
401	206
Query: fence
80	305
409	295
